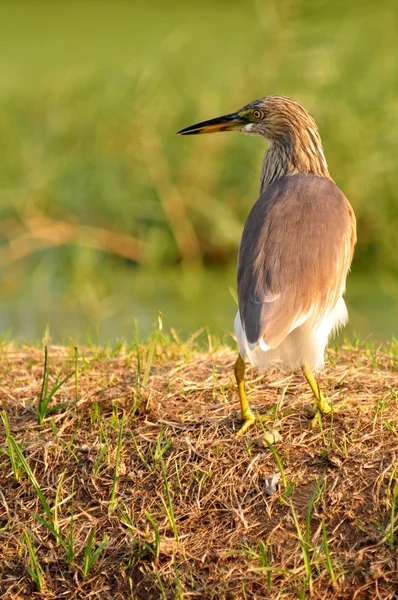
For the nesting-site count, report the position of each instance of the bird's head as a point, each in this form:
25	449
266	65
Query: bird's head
272	117
295	146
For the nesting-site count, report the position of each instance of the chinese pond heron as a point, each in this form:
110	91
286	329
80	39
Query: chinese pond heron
296	247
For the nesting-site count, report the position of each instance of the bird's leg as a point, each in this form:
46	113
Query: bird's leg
320	401
247	416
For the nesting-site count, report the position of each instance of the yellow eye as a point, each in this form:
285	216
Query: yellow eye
257	114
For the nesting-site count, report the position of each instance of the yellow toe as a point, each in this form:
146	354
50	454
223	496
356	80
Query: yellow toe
248	419
323	405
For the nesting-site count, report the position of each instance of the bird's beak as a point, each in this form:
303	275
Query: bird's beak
225	123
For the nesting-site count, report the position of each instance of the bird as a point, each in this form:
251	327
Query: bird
296	248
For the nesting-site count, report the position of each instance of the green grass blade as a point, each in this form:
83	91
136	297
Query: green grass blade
50	526
42	403
137	347
139	453
99	549
318	486
11	452
46	396
265	559
117	461
329	566
169	505
70	551
56	502
90	556
392	517
148	365
304	548
58	384
87	553
33	480
76	374
278	462
156	532
35	570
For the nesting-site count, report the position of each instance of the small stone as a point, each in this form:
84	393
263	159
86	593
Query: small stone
271	484
272	437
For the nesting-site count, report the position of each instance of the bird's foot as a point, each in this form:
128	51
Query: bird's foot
323	406
248	418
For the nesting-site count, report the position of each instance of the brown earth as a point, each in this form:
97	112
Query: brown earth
192	516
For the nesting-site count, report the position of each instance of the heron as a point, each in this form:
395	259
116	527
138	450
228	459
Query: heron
296	248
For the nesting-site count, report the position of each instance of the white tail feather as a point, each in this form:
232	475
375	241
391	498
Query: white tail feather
305	344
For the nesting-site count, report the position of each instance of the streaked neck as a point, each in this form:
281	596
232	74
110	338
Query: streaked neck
299	153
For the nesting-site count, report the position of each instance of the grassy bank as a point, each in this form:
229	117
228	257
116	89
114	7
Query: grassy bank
121	476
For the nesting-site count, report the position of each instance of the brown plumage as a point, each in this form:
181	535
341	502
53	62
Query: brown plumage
294	256
296	248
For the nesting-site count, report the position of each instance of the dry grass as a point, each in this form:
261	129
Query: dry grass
142	464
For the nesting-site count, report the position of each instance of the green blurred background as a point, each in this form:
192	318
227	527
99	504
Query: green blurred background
107	217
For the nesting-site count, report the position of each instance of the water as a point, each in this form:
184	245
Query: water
111	302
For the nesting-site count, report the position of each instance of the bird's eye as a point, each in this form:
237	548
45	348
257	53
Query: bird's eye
257	114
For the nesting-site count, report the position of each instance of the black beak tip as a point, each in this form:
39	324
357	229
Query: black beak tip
183	132
191	130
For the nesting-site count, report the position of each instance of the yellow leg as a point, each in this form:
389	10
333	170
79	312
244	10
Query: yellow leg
321	403
246	414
